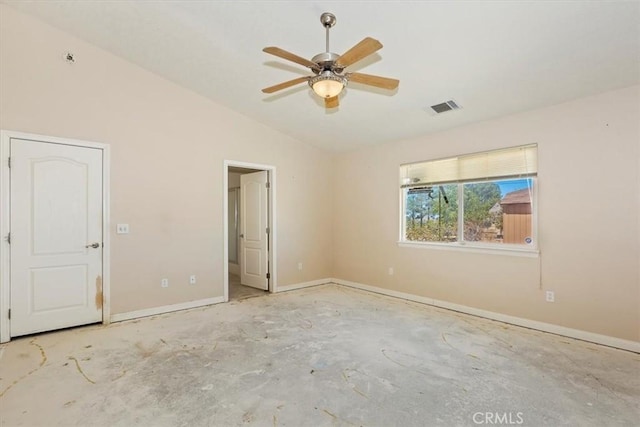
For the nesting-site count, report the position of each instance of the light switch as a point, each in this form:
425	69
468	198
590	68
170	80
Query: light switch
122	228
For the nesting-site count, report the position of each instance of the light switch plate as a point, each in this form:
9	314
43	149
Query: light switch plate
122	229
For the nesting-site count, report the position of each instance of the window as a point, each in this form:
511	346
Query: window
482	199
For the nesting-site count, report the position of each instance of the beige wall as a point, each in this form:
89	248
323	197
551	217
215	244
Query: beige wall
168	147
588	219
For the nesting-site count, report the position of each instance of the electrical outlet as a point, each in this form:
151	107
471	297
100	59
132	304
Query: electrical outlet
299	266
122	229
164	283
192	279
550	296
390	271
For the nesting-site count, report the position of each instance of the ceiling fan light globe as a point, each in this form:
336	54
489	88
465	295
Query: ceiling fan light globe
327	88
327	84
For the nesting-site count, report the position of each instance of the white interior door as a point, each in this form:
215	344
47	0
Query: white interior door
56	236
254	242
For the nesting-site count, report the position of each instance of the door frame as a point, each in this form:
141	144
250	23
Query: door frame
271	223
5	210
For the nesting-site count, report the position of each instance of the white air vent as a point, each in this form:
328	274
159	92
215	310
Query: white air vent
445	106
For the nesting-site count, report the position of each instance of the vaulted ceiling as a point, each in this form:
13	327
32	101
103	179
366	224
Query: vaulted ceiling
494	58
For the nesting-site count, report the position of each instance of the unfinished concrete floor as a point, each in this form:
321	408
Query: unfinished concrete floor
321	356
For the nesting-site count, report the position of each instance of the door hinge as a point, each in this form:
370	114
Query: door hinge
268	275
268	230
268	184
9	238
9	162
9	314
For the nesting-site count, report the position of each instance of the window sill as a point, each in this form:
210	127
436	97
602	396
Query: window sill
474	248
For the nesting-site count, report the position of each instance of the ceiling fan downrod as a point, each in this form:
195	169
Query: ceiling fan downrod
328	20
326	60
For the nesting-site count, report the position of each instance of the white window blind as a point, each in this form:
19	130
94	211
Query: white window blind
516	162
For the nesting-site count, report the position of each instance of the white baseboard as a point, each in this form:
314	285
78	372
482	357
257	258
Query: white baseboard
303	285
154	311
633	346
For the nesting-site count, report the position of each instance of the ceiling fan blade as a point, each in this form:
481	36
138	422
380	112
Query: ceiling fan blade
290	57
285	85
377	81
363	49
331	102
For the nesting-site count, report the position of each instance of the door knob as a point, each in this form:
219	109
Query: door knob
242	236
93	245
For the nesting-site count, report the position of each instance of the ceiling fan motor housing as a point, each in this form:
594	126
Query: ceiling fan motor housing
327	62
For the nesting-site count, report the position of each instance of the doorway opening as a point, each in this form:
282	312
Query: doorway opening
249	230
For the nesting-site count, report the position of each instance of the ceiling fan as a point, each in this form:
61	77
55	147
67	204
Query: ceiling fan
328	67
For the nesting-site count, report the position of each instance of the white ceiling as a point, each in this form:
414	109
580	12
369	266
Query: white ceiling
493	58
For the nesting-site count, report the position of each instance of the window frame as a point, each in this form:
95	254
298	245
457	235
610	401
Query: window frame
460	244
